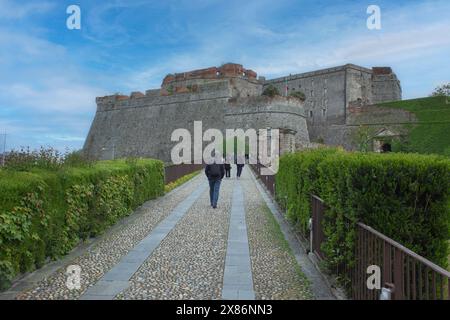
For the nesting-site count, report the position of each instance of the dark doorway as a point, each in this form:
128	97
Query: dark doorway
386	147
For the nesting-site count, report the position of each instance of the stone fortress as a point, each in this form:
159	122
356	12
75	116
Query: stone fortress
338	100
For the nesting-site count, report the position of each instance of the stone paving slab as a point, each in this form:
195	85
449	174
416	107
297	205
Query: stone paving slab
106	288
238	280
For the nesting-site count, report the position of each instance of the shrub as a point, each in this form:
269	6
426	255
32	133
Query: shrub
45	213
26	159
298	94
76	159
296	179
404	196
271	91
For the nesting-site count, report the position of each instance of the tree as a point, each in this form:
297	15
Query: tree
442	91
362	138
271	91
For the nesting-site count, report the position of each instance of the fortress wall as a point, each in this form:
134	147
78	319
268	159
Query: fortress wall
325	97
374	117
146	130
143	126
212	90
386	87
358	86
244	88
329	92
264	112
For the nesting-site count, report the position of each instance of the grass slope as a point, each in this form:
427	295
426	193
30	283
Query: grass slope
432	134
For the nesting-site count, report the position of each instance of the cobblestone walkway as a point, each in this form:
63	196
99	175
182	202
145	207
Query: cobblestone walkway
178	247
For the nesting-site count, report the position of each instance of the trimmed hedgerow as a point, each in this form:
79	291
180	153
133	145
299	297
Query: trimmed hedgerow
404	196
296	180
44	214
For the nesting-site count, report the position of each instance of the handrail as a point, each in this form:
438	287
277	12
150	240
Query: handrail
412	254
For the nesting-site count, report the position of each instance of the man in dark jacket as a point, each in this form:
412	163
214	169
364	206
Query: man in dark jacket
215	173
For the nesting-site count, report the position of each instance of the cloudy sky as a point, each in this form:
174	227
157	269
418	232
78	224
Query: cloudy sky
50	76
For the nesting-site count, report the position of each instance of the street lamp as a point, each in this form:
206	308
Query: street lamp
4	150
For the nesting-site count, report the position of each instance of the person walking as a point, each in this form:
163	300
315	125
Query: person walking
240	161
227	167
214	172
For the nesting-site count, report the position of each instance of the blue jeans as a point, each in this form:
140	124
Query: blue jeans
214	187
239	169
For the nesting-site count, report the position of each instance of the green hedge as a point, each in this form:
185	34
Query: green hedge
404	196
296	180
45	214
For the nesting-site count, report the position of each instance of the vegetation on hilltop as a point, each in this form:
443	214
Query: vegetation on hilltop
298	94
432	133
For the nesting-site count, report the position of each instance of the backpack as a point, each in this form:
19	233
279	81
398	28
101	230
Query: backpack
214	171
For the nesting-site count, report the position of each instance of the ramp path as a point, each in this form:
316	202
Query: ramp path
178	247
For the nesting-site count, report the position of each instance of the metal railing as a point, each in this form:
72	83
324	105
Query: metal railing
407	275
267	180
318	237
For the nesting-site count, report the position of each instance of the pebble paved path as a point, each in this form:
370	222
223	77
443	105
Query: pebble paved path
178	247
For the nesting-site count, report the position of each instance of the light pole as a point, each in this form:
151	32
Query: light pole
4	150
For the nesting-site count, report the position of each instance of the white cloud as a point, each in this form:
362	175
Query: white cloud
45	96
65	138
331	39
20	47
15	10
40	76
52	95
